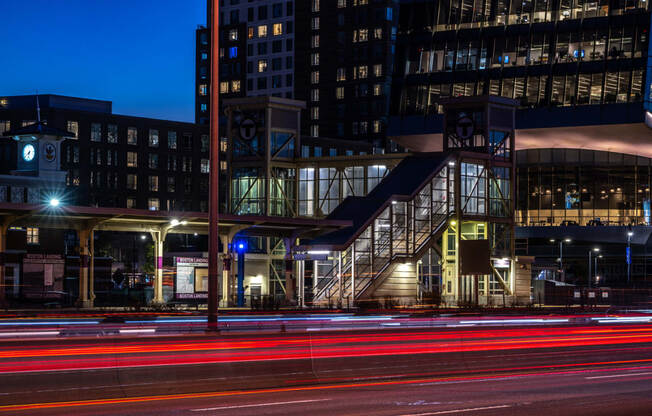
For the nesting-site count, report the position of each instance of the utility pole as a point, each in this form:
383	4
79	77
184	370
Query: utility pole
214	200
630	233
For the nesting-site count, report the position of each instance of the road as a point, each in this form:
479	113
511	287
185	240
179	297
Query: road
591	369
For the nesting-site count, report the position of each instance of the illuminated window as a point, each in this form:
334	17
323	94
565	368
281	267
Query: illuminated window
32	235
204	167
314	113
233	52
203	89
314	95
360	72
341	74
339	93
132	135
203	107
131	202
222	164
314	130
250	33
153	161
277	29
378	33
224	87
262	65
378	70
341	4
5	125
235	86
314	58
233	34
172	139
112	133
376	126
96	132
262	31
361	35
132	182
315	41
153	138
315	6
132	159
378	89
153	204
314	77
315	23
153	183
73	127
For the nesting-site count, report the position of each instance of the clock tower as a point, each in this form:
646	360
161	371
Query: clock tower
38	151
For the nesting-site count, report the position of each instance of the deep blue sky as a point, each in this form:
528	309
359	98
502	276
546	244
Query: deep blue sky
137	53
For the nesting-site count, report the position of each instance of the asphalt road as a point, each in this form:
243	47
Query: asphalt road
568	370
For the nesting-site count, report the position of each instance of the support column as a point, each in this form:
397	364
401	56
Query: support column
158	237
290	283
352	304
301	271
226	270
91	271
3	249
82	300
339	277
241	272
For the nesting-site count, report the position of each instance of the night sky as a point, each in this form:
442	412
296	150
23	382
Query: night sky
137	53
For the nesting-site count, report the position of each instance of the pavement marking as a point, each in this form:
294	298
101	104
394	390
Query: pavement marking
208	409
446	412
619	375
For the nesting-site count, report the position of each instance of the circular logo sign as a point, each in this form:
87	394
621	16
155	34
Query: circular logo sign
247	129
29	152
464	127
50	152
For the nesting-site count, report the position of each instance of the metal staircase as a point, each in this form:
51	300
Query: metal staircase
412	207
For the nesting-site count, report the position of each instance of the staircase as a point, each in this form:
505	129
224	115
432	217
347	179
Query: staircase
395	223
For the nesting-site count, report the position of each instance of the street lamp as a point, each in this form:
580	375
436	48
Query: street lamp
630	234
561	254
595	267
54	202
595	250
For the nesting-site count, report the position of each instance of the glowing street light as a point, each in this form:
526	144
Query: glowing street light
54	202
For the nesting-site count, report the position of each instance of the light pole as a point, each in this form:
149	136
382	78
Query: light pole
595	268
595	250
214	200
630	234
561	255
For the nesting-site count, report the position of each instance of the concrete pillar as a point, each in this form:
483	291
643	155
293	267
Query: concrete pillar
3	249
226	270
301	271
158	267
82	300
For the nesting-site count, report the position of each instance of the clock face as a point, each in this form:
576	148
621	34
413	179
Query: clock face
29	152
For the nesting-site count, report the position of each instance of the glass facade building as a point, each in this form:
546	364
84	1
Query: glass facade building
582	187
541	53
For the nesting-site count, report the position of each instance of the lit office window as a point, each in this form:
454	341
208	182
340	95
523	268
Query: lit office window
315	41
360	35
132	182
378	33
153	204
5	125
235	86
153	138
339	93
204	166
224	87
153	183
341	4
203	107
314	58
314	113
32	235
378	70
262	65
277	29
233	52
314	95
112	133
360	72
378	89
314	130
73	127
132	135
376	126
131	202
172	139
262	31
96	132
315	23
132	159
314	77
223	165
233	34
203	89
250	33
315	6
341	74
